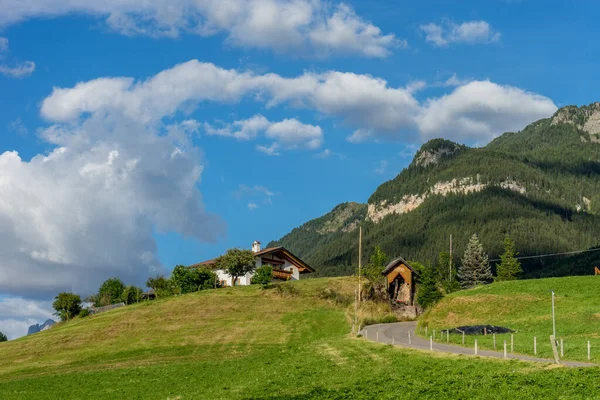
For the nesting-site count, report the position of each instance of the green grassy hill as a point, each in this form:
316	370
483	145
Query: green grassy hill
248	343
540	185
525	306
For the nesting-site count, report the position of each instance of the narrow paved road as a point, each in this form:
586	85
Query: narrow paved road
398	334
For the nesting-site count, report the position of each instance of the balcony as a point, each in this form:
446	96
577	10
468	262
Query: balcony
281	274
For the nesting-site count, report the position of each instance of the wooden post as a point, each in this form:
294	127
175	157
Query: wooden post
447	336
512	336
505	349
562	346
589	358
475	346
450	263
359	263
377	336
431	343
484	331
535	345
463	340
393	341
409	341
494	336
554	350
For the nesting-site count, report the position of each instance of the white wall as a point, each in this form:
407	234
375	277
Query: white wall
246	280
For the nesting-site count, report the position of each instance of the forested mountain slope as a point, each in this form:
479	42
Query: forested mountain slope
540	185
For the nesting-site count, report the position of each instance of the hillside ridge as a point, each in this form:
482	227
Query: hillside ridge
541	185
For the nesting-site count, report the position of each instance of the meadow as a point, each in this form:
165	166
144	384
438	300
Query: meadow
526	307
249	343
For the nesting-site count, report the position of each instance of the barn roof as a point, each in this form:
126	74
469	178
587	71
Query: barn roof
395	262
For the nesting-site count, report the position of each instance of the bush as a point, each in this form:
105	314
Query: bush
84	313
286	290
3	337
263	276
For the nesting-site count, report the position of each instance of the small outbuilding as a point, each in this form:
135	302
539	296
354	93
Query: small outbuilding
400	278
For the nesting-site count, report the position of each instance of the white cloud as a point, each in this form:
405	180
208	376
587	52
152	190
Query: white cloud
257	193
381	167
291	26
287	134
17	314
247	129
272	150
89	208
471	32
481	110
19	69
375	111
329	153
292	134
18	127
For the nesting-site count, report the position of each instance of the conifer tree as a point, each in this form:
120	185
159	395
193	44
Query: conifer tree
509	268
475	267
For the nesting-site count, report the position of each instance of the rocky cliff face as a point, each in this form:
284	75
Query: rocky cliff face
41	327
586	118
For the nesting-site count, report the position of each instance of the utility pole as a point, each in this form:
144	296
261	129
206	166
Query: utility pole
553	318
359	262
450	277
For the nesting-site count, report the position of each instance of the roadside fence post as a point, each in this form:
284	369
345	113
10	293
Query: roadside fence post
494	336
535	345
589	358
447	336
463	342
393	341
431	343
475	346
512	337
505	349
377	336
409	341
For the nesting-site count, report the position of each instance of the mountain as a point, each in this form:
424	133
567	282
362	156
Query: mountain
38	328
540	185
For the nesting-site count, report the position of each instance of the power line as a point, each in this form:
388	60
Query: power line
553	254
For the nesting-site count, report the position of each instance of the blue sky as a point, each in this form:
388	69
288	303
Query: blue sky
156	136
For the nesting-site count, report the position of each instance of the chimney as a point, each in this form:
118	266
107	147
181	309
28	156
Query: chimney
256	246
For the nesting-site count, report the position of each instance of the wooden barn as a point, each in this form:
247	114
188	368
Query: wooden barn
400	278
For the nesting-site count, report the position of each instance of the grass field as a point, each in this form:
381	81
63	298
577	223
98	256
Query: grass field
526	306
248	343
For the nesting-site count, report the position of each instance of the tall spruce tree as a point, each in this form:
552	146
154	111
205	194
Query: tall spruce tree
509	268
475	267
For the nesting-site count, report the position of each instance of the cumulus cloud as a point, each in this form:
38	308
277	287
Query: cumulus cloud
480	110
375	110
311	26
287	134
471	32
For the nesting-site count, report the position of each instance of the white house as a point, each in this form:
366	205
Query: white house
286	266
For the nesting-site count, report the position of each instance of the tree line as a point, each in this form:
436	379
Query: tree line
436	280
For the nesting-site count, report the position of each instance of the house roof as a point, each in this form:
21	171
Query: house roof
285	253
394	263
